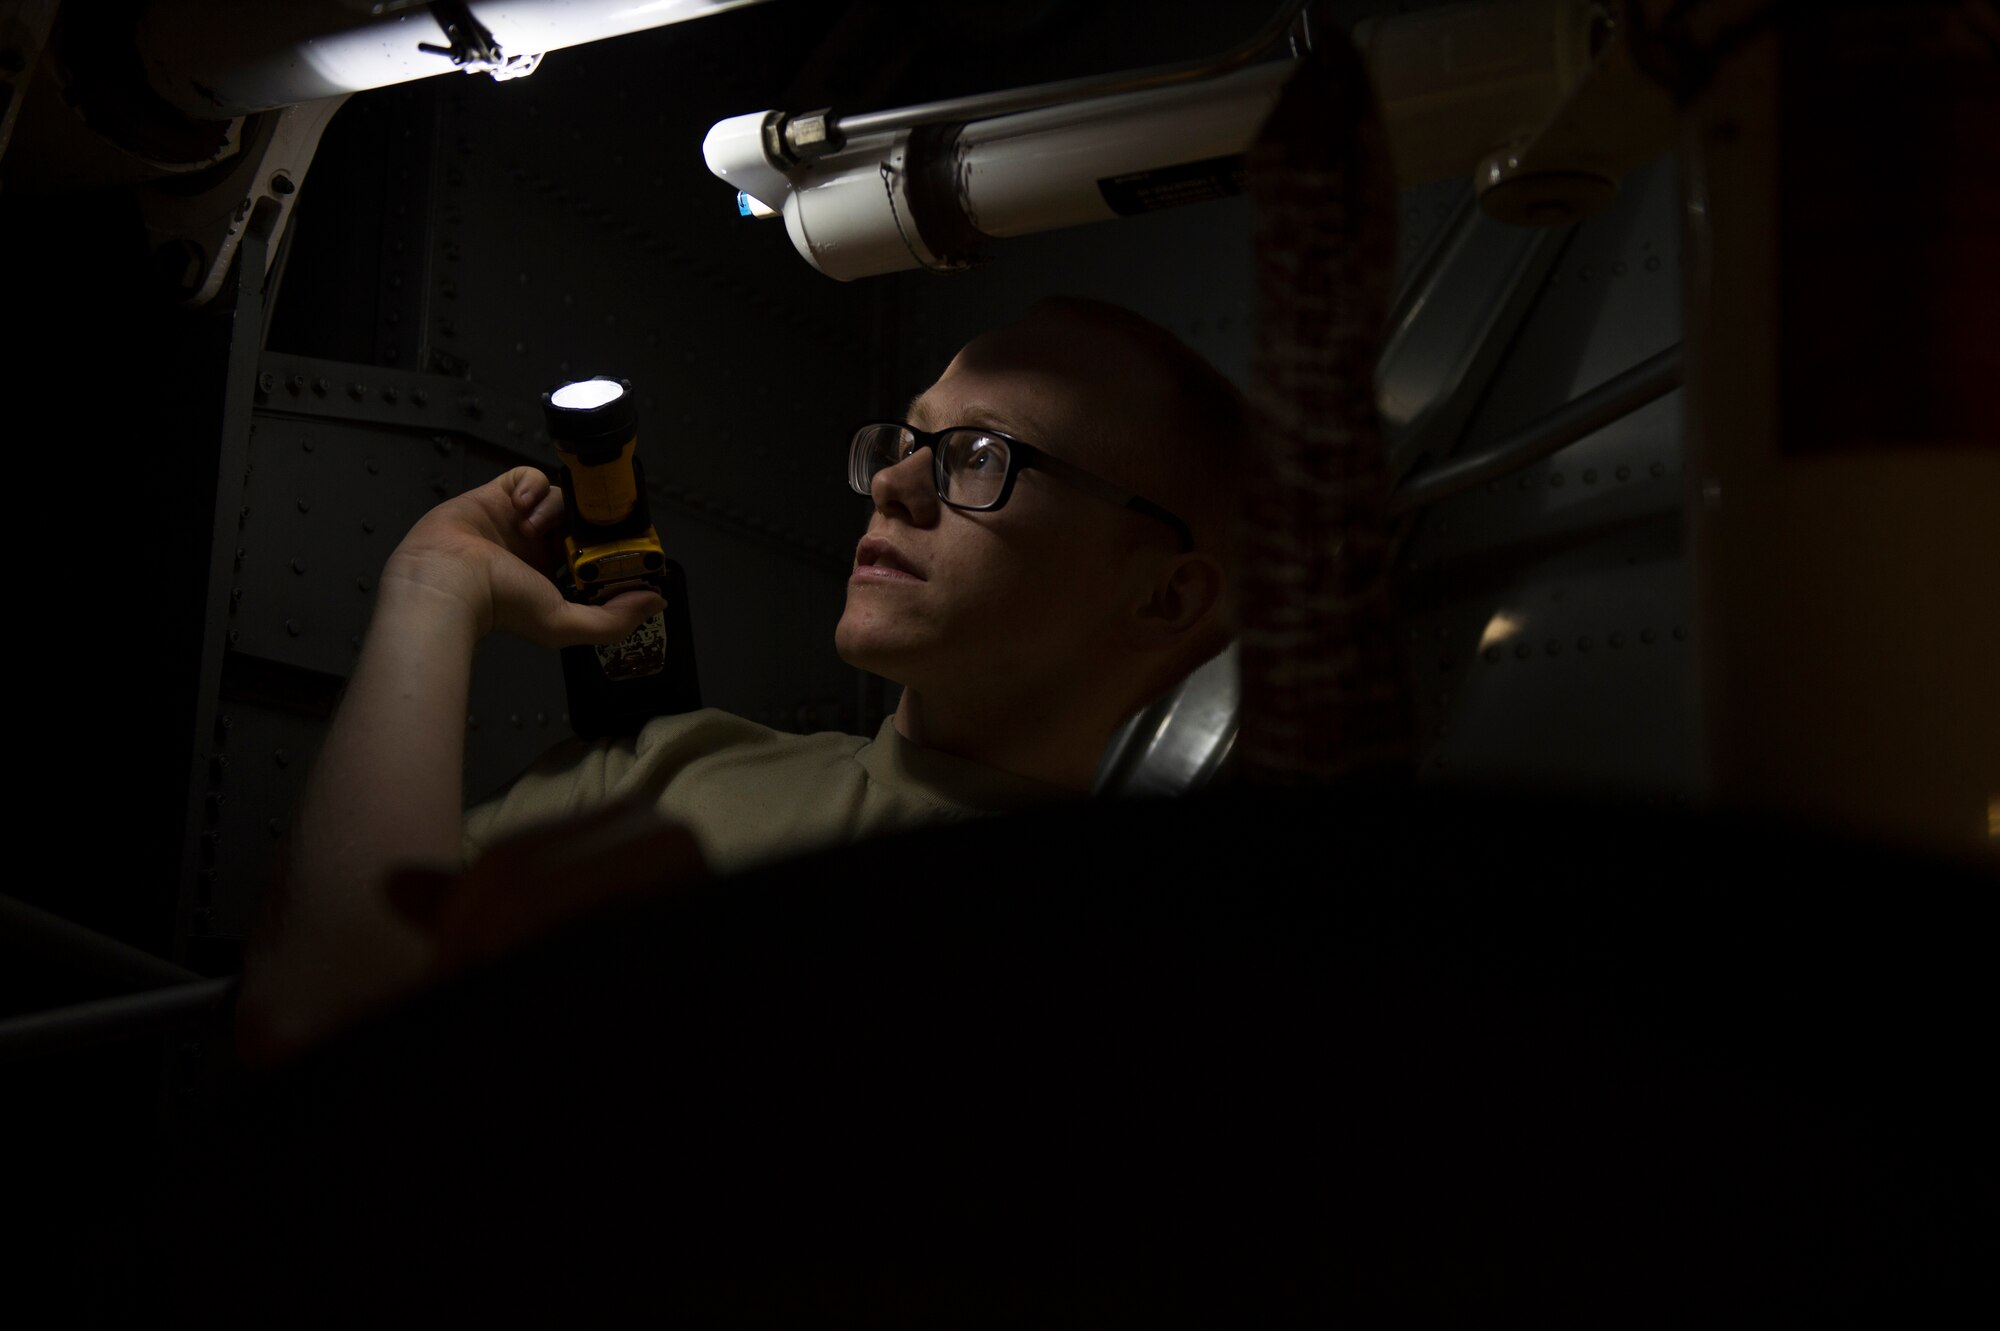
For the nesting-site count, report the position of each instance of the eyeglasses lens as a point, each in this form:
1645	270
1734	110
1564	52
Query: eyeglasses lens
876	447
975	467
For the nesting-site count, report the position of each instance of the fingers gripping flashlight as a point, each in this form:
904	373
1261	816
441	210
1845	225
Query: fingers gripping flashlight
613	547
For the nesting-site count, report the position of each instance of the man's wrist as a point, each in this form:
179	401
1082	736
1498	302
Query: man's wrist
418	596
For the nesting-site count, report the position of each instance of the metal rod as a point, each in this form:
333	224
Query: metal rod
1615	398
70	944
982	106
108	1020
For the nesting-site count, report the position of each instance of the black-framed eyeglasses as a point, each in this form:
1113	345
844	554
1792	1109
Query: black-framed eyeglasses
974	468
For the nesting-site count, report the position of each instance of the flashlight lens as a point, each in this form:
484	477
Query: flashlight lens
587	394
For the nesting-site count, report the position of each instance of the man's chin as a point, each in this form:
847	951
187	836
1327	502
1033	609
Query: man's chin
873	651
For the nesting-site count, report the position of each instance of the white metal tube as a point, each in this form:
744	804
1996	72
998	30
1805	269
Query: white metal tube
215	59
1066	165
1455	83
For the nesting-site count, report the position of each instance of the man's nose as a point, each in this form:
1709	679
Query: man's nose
908	489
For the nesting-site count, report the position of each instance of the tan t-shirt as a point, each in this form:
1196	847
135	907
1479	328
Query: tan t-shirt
753	794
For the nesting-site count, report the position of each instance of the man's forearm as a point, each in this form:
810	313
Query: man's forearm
384	792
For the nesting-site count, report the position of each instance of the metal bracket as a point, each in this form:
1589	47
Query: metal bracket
194	236
472	47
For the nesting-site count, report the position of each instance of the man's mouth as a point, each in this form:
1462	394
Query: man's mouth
876	560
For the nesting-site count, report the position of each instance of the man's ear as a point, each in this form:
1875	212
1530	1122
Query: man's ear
1184	595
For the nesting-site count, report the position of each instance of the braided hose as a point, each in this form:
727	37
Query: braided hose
1324	690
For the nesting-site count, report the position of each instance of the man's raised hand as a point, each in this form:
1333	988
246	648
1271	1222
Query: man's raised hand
488	550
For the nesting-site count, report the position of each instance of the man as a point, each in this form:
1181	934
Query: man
1048	552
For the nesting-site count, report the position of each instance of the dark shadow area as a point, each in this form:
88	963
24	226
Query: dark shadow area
1244	1059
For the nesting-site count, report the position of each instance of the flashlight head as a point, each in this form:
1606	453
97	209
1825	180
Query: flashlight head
591	419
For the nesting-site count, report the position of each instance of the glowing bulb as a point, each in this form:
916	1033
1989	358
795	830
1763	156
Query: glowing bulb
585	394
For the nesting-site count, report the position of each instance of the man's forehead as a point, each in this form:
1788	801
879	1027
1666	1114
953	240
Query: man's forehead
928	411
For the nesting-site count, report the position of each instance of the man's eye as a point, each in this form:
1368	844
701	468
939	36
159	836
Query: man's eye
982	456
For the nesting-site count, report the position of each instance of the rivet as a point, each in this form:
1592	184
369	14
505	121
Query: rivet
1653	264
356	391
420	397
272	827
1492	654
303	507
390	395
296	384
1556	480
235	595
1522	651
1680	633
514	719
368	524
1658	470
541	718
233	636
281	758
298	566
393	318
293	627
320	386
1583	643
1555	647
354	641
363	585
1617	267
1527	481
442	445
239	556
1646	636
472	721
374	467
1616	640
306	444
1623	473
1590	476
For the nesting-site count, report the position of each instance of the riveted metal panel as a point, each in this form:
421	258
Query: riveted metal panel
1548	610
1612	300
324	504
262	754
1573	671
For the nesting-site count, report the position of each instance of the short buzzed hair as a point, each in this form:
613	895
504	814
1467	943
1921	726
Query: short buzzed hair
1210	417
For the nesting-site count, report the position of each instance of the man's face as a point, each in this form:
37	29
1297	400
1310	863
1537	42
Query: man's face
1017	599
